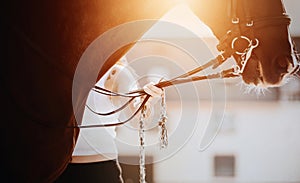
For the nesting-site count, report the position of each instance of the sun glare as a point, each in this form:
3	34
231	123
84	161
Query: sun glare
181	15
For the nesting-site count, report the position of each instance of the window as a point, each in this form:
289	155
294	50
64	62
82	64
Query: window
224	166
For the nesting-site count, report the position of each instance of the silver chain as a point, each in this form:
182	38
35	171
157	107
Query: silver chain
162	122
142	145
163	134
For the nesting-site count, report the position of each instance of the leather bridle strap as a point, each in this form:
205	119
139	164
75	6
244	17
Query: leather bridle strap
226	52
271	21
243	30
225	47
232	13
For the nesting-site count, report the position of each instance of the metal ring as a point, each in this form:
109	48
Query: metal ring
236	70
242	37
256	41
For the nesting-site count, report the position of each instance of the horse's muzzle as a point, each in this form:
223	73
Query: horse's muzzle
265	74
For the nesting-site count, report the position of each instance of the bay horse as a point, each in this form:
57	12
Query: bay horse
266	21
44	40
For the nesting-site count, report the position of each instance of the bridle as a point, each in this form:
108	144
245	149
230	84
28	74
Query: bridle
227	47
244	31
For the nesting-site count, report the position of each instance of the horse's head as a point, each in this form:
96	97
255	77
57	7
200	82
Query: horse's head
273	58
264	21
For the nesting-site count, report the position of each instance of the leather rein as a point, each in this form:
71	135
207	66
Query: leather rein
227	48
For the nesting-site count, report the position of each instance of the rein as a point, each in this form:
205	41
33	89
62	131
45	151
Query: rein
184	78
227	48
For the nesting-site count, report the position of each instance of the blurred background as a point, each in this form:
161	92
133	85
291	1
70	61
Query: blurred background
220	130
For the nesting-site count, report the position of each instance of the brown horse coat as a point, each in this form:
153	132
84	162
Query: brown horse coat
42	44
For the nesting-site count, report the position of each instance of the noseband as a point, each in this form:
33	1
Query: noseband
243	31
240	31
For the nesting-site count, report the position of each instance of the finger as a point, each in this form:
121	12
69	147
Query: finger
148	91
152	90
155	89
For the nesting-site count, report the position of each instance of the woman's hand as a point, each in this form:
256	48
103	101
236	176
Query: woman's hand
153	90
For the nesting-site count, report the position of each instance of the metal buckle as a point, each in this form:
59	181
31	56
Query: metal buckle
249	24
235	20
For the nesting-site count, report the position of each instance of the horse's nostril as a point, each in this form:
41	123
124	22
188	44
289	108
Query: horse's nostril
283	62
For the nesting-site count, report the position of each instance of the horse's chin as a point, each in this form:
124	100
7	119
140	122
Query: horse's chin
263	82
278	79
255	75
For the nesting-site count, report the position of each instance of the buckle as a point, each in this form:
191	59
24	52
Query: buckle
249	24
235	20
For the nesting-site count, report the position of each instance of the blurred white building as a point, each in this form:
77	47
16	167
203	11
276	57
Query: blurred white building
258	139
259	136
